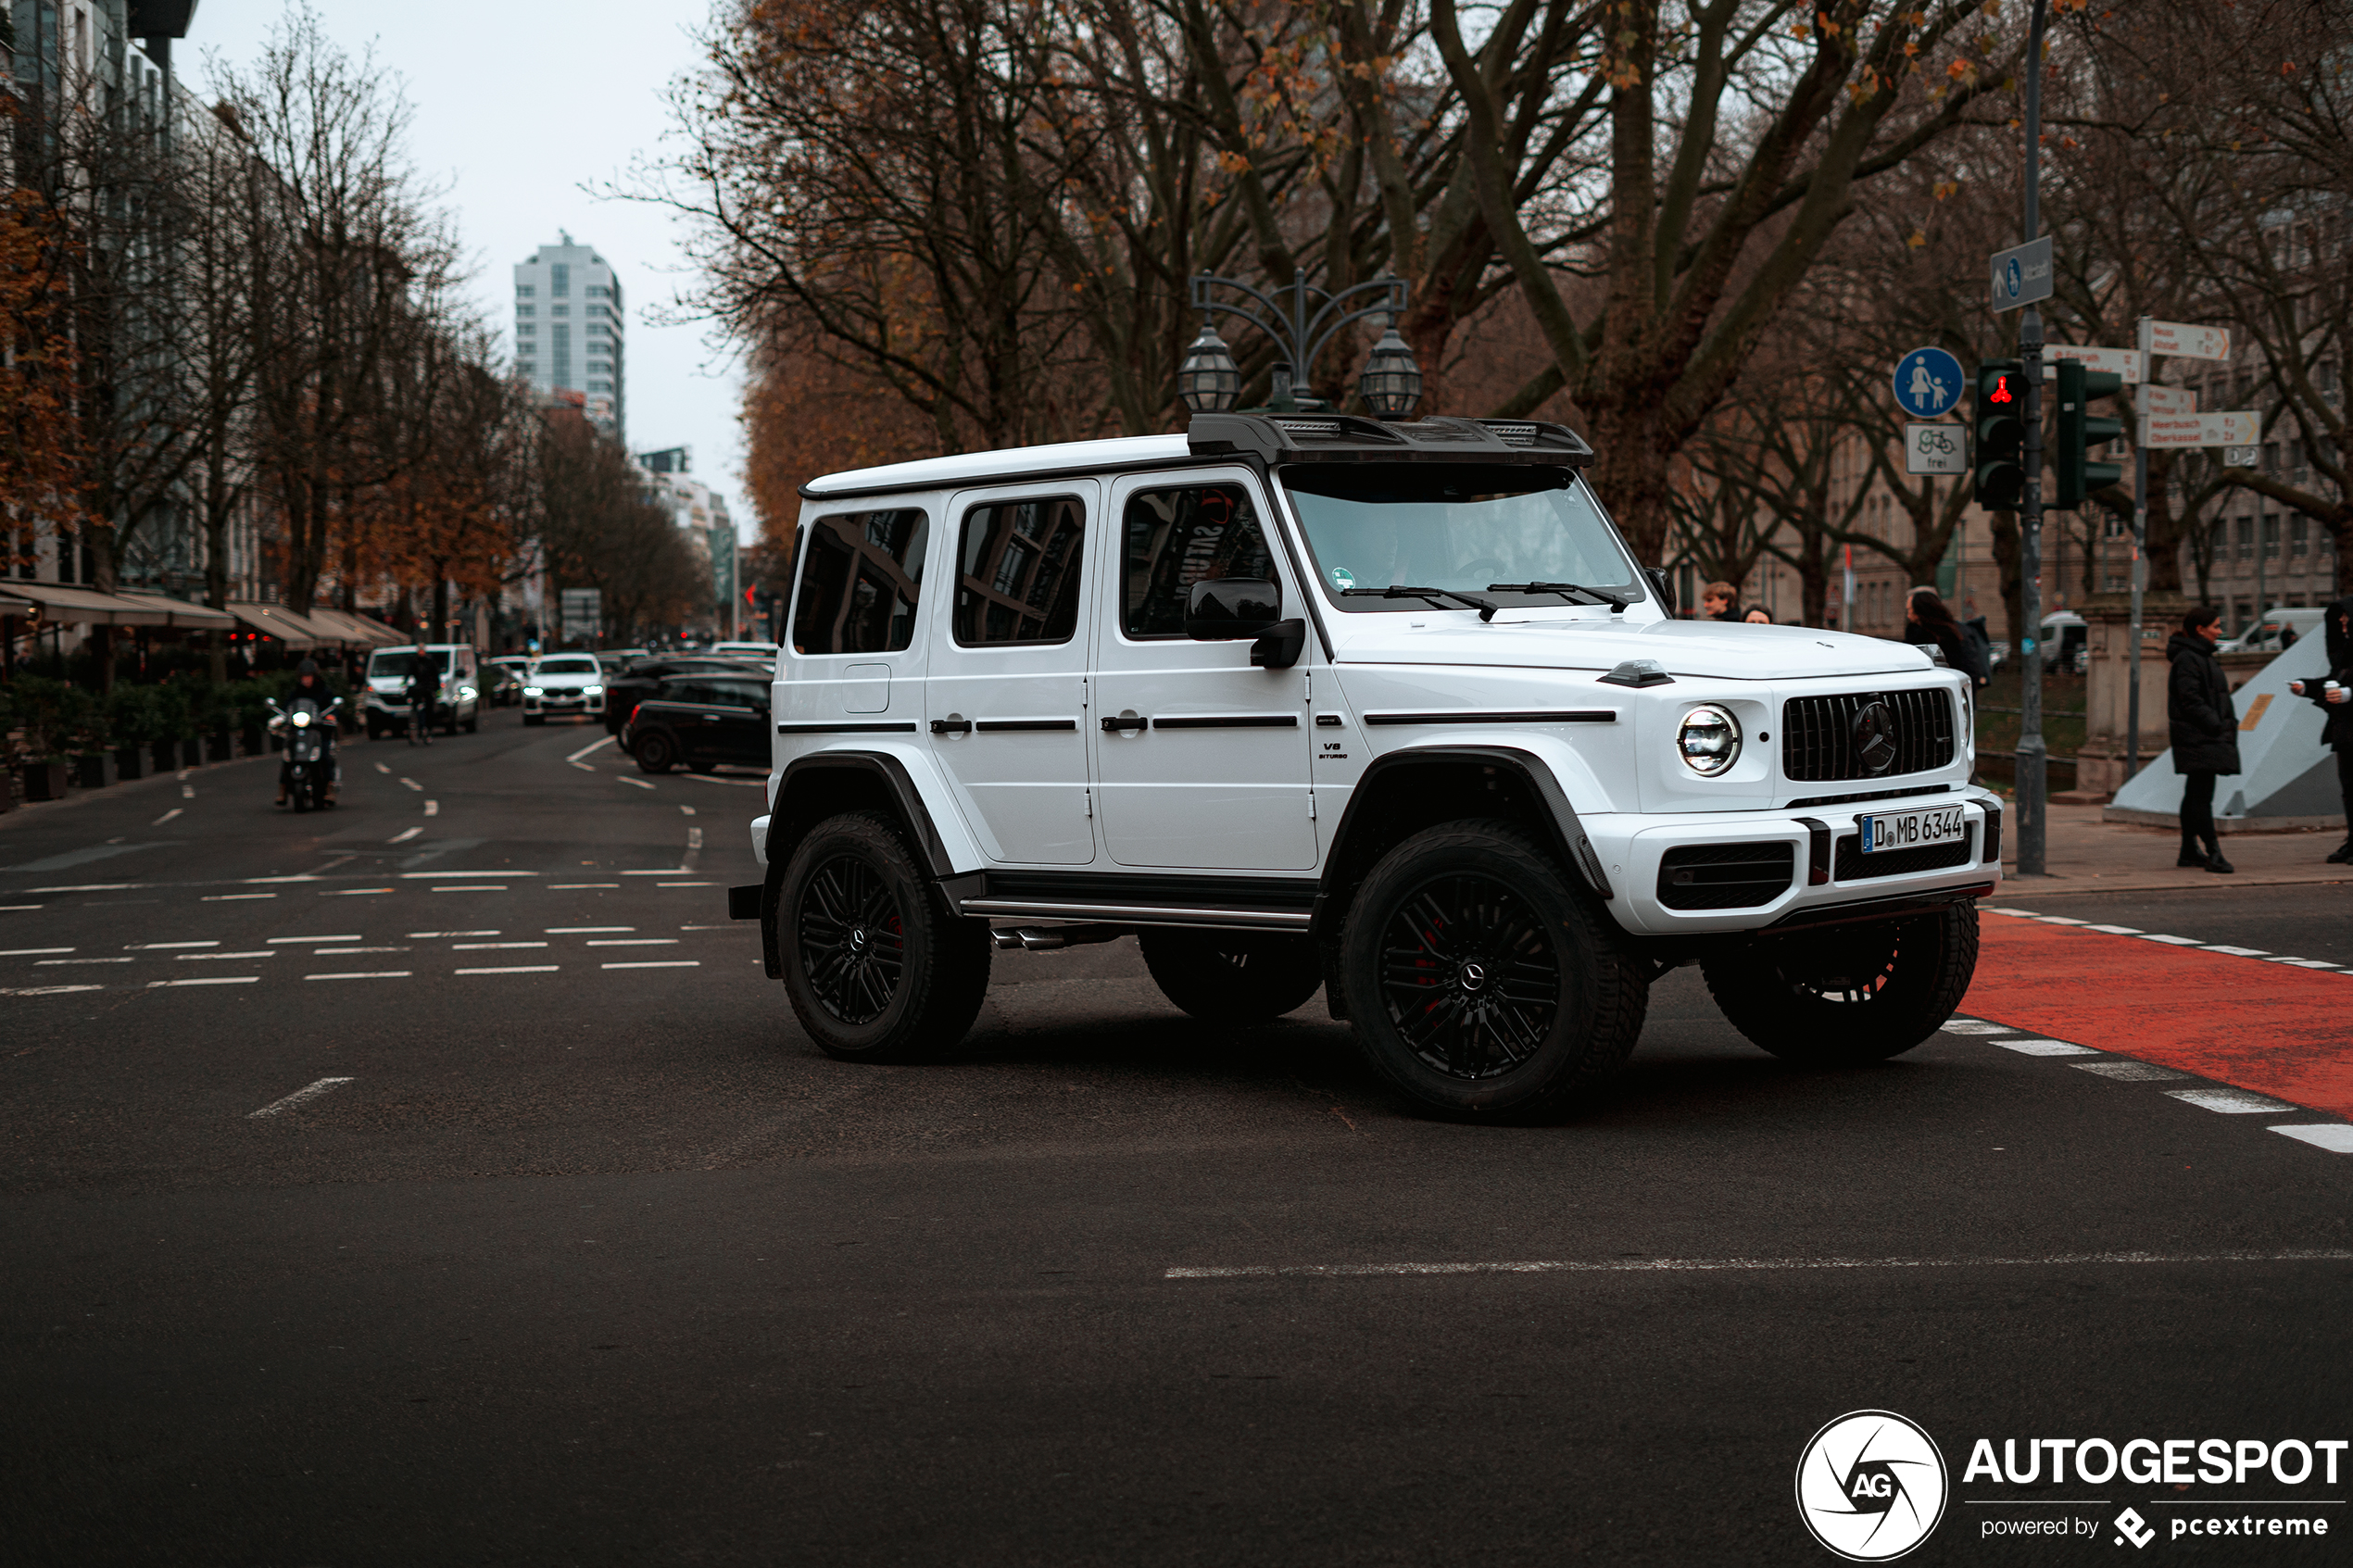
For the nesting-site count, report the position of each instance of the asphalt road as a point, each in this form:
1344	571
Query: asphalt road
582	1262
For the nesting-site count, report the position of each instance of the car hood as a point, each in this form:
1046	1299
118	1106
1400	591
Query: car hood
1714	650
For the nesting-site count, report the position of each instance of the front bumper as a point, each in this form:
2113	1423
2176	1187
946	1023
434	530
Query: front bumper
1826	874
565	702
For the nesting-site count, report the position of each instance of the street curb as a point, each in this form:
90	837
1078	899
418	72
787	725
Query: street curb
26	808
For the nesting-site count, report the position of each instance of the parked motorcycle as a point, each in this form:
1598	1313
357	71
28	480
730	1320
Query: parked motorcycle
307	777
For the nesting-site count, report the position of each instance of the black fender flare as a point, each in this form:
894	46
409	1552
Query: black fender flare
799	776
1564	830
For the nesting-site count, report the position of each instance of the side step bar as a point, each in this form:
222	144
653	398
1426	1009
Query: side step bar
1139	914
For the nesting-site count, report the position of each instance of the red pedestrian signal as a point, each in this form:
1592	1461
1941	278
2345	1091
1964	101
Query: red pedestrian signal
2000	391
1999	473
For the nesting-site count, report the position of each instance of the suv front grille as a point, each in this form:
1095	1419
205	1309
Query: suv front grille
1725	876
1853	865
1818	735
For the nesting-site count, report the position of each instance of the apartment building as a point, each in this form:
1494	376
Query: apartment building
572	330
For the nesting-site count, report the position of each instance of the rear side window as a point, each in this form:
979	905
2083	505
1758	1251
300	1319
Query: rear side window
861	574
1018	572
1173	539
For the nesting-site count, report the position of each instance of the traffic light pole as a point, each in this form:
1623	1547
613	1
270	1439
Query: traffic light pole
2140	586
2030	763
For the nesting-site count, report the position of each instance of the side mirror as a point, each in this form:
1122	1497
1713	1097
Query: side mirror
1279	645
1223	609
1663	585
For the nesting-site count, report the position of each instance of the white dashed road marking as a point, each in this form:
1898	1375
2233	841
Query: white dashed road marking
207	980
514	969
2335	1136
2128	1071
29	952
552	931
592	746
471	887
382	768
365	974
660	964
300	1095
575	886
2116	930
433	808
404	835
2044	1048
440	935
235	897
1975	1026
187	792
636	942
166	817
414	784
153	947
306	941
473	946
639	783
2229	1102
46	990
263	953
43	963
687	810
1709	1265
2170	941
2237	952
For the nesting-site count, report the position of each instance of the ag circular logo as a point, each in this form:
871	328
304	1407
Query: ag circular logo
1870	1486
1874	736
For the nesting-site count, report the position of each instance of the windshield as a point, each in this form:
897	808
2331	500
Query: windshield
400	665
1458	525
580	664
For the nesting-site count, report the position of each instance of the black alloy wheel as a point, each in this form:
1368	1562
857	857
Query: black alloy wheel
1231	977
878	968
852	939
657	752
1470	976
1846	996
1483	981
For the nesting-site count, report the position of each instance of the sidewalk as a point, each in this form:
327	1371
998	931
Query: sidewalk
2086	855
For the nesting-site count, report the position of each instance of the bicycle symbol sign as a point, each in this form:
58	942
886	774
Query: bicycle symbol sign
1927	384
1935	448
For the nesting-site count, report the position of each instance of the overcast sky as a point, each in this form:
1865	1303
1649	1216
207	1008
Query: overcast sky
518	106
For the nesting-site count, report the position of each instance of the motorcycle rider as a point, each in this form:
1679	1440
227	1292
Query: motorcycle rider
424	695
310	683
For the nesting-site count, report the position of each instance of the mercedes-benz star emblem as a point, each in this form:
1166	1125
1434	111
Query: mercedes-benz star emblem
1874	736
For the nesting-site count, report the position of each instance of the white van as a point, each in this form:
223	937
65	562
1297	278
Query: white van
388	680
2281	628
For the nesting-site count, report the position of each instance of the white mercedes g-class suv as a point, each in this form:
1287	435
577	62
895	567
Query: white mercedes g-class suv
1384	707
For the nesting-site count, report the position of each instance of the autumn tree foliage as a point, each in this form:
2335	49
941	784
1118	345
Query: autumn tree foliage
41	476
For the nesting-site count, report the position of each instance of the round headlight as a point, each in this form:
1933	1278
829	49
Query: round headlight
1709	741
302	720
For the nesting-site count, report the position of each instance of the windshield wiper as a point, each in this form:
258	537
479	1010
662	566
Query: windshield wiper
1486	608
1590	596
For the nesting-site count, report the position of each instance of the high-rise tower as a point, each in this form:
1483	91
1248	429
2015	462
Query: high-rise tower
568	328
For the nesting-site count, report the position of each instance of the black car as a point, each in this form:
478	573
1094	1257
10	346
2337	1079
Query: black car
702	721
625	690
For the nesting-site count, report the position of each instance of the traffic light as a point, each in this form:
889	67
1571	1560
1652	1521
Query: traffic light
2001	436
2079	433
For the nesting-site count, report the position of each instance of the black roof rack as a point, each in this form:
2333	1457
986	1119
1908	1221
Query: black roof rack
1345	438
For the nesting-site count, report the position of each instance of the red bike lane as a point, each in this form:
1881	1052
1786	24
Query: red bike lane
2270	1027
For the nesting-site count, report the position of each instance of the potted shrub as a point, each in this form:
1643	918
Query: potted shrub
170	702
131	719
46	719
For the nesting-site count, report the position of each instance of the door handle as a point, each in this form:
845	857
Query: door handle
1127	720
952	725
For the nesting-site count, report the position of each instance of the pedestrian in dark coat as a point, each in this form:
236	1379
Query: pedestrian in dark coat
1928	621
2205	724
2336	709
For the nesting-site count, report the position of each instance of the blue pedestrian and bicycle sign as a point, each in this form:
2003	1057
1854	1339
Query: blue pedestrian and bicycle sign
1928	383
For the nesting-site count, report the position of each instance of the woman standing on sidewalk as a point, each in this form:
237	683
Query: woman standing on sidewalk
2205	724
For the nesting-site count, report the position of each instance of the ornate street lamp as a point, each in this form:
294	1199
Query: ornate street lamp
1302	320
1392	381
1207	381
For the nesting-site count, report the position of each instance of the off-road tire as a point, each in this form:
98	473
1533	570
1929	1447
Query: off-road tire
876	965
657	752
1533	996
1231	977
1848	995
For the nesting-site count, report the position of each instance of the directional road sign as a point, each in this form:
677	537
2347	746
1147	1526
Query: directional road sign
2022	275
1935	448
1928	383
2201	430
2125	362
2180	340
2152	398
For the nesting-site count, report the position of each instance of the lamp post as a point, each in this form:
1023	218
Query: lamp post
1300	320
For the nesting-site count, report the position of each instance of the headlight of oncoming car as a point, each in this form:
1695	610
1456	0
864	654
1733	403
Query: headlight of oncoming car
593	690
1710	740
533	691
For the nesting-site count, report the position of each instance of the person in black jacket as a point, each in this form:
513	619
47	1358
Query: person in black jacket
1928	620
2205	726
2336	709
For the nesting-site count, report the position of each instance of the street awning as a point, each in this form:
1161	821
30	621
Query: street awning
79	607
181	612
277	620
356	628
